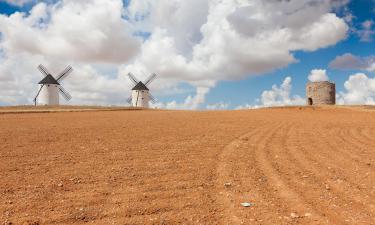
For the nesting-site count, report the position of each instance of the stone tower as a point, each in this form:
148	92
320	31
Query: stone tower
321	93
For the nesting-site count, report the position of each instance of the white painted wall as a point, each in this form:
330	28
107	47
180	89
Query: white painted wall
49	95
140	99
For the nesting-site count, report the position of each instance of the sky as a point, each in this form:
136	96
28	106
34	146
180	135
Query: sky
208	54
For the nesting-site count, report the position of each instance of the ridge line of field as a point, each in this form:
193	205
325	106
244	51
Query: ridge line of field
7	112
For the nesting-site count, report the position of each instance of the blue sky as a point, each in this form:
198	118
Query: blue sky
245	91
253	87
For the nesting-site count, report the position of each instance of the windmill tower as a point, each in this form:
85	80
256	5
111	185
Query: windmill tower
50	87
140	93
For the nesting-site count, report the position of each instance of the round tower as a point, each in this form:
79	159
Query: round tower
49	92
49	95
321	93
140	96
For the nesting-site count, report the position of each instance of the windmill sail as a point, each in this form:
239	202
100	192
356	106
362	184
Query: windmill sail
64	93
129	100
43	70
152	98
64	74
133	79
150	79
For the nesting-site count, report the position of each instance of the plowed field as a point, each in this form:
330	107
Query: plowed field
293	165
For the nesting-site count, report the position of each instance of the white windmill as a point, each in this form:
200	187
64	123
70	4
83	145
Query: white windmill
50	87
140	93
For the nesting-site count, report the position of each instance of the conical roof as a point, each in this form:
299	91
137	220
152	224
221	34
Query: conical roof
140	87
49	79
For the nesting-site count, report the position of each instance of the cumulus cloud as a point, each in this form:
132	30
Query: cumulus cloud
318	75
90	31
349	61
234	39
190	103
94	86
218	106
277	96
360	90
14	88
199	41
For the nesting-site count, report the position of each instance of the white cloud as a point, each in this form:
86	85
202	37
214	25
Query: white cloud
360	90
280	96
246	106
190	103
218	106
89	31
94	86
233	39
277	96
199	42
349	61
14	88
318	75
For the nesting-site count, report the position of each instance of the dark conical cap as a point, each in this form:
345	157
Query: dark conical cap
49	79
140	87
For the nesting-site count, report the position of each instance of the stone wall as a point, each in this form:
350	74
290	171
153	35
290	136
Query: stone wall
321	93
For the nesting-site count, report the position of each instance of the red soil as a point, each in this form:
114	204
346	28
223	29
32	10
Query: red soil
295	165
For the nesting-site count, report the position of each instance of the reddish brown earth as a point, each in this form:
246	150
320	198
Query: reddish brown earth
295	165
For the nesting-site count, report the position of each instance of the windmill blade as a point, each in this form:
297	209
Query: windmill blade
43	70
64	93
150	79
129	100
37	95
152	98
133	79
64	73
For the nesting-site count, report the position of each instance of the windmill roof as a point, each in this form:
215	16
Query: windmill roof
49	79
140	87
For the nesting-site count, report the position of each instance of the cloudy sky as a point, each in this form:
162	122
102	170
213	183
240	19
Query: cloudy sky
208	54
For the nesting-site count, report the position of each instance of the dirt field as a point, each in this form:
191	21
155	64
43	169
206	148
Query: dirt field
294	165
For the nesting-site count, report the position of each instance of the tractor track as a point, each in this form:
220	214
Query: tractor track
294	165
295	177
